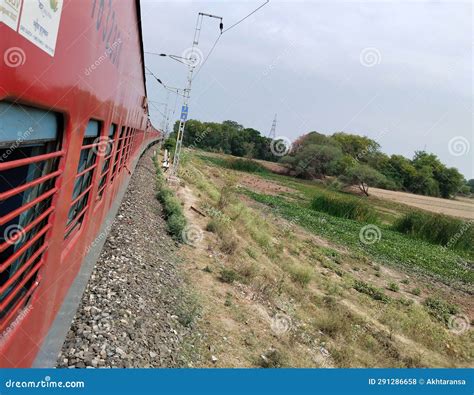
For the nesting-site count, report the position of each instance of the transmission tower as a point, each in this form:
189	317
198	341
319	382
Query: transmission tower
272	133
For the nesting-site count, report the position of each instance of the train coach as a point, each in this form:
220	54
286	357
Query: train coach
73	123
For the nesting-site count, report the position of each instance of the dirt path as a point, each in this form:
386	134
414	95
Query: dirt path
462	208
129	314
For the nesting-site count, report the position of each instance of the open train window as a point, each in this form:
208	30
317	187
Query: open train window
118	152
106	168
125	149
85	172
30	151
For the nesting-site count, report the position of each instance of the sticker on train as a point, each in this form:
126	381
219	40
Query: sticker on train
39	23
10	10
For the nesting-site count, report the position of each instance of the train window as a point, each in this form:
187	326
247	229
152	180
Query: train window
118	152
85	172
106	168
30	151
126	149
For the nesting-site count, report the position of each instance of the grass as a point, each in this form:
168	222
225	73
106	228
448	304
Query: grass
286	269
344	207
393	248
173	212
368	289
300	275
438	229
246	165
393	286
228	276
440	309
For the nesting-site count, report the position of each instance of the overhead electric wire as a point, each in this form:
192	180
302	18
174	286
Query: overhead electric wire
244	18
170	88
222	32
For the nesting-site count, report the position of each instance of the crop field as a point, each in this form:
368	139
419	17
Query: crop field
462	208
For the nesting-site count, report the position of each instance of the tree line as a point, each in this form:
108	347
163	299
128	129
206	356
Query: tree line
342	158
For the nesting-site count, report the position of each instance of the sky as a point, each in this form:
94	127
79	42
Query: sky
398	72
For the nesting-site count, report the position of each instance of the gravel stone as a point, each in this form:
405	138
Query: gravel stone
127	316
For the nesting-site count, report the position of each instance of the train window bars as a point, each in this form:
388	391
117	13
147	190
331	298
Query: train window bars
30	151
85	171
125	148
107	151
118	152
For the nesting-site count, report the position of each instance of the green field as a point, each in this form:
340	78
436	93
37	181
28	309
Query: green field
450	266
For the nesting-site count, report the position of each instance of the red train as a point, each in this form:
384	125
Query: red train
73	123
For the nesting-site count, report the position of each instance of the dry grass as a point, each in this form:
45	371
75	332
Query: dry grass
278	296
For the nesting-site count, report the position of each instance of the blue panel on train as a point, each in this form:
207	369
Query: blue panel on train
23	123
93	128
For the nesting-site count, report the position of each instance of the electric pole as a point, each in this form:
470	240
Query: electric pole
192	63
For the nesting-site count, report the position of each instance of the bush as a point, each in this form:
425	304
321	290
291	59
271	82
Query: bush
228	276
228	243
393	287
373	292
173	212
440	309
344	207
247	165
300	275
176	224
438	229
416	291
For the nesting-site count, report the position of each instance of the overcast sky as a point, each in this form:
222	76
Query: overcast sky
397	72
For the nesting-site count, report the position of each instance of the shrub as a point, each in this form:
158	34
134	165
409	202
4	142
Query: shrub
228	244
300	275
393	287
247	165
212	226
227	193
373	292
228	276
344	207
416	291
176	224
438	229
173	212
440	309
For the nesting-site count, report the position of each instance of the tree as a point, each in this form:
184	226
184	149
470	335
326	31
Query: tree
470	184
363	176
314	161
359	147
